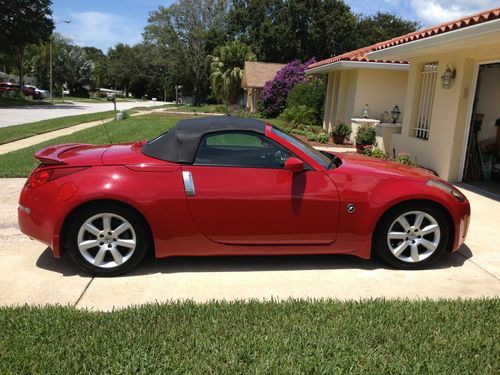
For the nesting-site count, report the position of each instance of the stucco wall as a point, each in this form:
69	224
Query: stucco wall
381	90
442	152
349	90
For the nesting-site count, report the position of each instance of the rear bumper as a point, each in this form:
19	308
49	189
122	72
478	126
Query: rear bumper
38	215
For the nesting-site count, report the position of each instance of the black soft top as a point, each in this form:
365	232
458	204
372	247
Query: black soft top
180	143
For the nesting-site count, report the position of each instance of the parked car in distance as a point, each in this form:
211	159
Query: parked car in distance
231	186
30	91
36	92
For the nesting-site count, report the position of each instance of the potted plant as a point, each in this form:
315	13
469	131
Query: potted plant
340	132
366	137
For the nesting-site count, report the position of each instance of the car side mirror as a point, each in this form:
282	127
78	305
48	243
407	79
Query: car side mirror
294	165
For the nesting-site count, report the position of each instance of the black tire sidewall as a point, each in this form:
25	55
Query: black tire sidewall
380	238
141	233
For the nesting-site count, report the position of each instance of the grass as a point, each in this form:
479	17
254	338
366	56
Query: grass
327	337
16	132
207	108
21	162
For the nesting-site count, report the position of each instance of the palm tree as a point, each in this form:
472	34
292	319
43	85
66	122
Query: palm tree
226	66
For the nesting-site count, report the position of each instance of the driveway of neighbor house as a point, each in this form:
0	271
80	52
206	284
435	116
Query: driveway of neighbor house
22	115
29	274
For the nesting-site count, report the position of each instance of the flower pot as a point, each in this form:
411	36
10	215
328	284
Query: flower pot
338	139
361	147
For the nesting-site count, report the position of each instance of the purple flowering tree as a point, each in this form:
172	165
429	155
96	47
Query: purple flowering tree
274	94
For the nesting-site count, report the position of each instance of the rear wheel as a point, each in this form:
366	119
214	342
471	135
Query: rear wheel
107	239
412	236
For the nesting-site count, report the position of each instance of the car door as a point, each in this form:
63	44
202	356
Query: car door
239	193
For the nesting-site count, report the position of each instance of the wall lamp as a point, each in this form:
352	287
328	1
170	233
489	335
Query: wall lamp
448	77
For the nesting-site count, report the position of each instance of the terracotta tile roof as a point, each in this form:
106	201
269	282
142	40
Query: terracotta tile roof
356	55
256	74
361	54
484	16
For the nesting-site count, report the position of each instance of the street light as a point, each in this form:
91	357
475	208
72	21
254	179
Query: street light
50	53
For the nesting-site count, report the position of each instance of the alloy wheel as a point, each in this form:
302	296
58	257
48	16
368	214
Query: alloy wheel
106	240
413	236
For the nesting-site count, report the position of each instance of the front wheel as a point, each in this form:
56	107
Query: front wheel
412	236
107	239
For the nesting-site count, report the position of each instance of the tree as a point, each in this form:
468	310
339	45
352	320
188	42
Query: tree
283	30
78	69
100	77
382	26
24	22
121	66
186	32
226	66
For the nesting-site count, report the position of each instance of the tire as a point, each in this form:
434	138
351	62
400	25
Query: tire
412	236
107	239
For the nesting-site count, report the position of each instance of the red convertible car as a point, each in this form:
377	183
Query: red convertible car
232	186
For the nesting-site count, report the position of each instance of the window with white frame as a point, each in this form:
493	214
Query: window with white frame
428	80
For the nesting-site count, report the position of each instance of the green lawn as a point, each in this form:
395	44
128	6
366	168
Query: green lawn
21	162
292	337
15	132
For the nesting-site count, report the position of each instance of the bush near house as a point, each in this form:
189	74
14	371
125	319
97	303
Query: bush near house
298	115
402	158
275	92
311	94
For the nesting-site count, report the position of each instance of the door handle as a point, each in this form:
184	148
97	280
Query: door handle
187	177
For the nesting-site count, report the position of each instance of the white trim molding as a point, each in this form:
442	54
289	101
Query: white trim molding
339	65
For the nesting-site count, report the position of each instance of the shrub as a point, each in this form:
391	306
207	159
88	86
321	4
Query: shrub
323	138
366	135
274	94
298	115
341	130
376	153
310	136
311	94
404	158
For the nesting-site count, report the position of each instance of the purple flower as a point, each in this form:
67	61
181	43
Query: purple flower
274	94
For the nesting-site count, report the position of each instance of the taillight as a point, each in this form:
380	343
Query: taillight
43	176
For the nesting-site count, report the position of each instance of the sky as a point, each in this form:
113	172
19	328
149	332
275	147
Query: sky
104	23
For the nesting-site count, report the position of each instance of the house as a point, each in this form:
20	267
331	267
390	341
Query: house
452	103
255	76
354	80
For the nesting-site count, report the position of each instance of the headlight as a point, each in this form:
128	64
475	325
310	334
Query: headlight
449	189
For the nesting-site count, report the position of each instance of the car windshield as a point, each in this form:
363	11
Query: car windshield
320	158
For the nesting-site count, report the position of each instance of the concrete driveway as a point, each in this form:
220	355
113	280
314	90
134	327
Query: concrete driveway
29	274
21	115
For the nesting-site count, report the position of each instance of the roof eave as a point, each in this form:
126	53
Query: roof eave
418	47
343	64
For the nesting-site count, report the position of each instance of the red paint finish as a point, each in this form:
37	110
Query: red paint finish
244	211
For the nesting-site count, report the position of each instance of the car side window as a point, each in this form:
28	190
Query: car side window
240	149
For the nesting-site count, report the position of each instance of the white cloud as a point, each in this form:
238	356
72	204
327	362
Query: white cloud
433	12
102	30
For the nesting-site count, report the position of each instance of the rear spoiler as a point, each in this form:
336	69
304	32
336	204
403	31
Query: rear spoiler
50	155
